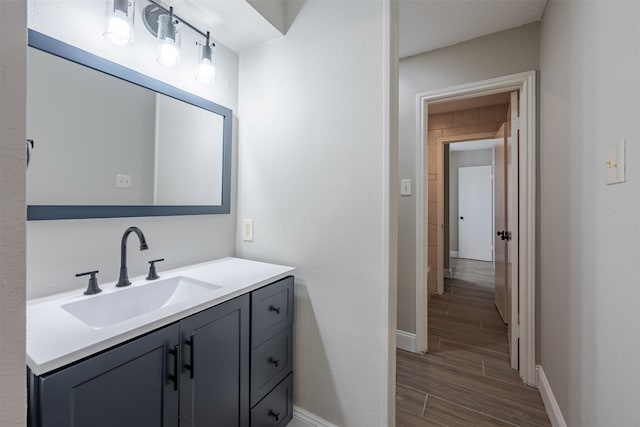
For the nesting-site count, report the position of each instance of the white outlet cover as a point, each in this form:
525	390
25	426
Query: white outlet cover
247	230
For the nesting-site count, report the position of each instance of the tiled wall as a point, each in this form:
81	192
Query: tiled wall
455	123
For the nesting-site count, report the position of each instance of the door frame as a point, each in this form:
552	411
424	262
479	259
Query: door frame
525	83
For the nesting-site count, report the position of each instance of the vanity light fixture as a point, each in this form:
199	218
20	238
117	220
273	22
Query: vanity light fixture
163	24
168	40
206	72
119	21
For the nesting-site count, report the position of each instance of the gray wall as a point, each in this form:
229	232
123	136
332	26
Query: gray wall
589	232
311	176
13	63
459	159
496	55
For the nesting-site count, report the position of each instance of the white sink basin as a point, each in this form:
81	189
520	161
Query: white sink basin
111	308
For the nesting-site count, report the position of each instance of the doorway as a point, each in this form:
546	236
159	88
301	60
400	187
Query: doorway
524	231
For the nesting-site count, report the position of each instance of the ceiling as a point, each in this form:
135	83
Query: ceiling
424	24
431	24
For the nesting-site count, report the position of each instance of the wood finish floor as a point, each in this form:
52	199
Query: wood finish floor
465	379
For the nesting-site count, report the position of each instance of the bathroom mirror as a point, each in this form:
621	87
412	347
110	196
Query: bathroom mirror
111	142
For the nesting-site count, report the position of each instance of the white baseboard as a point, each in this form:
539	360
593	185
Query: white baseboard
304	418
453	254
405	340
550	403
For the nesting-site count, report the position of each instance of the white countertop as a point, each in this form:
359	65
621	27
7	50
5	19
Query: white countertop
56	338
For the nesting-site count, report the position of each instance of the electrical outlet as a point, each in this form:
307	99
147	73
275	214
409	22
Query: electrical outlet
247	230
123	181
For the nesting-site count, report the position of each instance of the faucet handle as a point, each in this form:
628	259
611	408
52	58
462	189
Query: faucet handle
153	274
92	288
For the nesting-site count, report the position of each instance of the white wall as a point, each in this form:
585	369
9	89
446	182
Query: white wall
589	232
12	212
496	55
56	250
311	175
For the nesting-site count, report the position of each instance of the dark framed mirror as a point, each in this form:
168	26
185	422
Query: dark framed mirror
112	142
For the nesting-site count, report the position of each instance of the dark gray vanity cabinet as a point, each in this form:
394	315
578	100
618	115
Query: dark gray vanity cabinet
194	372
127	386
272	354
215	353
229	365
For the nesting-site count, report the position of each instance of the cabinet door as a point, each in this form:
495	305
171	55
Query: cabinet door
215	366
128	386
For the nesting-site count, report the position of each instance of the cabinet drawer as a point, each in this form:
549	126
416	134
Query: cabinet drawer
276	409
271	361
271	310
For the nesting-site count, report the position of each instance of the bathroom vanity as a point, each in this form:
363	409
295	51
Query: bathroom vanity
213	346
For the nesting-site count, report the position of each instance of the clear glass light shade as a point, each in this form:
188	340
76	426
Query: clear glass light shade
119	21
206	65
168	53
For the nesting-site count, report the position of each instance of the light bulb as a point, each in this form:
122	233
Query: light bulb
206	65
206	72
118	30
168	55
119	21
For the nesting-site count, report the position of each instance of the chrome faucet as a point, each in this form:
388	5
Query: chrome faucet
124	279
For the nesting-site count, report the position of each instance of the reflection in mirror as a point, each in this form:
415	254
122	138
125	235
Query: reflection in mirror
117	143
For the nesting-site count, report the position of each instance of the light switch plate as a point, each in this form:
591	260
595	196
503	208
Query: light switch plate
615	163
247	230
405	187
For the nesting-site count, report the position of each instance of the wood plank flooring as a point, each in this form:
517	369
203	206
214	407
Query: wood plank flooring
465	379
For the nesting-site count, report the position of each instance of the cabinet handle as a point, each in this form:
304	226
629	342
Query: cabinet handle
191	342
175	352
274	361
274	308
275	415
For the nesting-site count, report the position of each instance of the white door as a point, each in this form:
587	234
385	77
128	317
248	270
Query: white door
475	213
506	225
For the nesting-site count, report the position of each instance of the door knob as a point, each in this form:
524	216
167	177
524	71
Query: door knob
504	235
461	217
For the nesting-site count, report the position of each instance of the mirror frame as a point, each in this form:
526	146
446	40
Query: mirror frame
48	212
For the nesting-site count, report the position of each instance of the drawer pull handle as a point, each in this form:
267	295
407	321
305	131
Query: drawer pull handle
175	352
275	415
191	342
274	308
274	361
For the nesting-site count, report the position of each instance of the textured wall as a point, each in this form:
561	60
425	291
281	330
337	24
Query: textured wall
12	212
311	175
589	231
496	55
59	249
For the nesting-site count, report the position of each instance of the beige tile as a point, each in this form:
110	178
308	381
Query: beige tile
440	121
457	131
485	127
495	113
432	217
433	135
466	117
